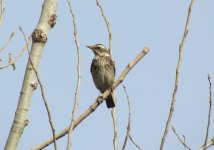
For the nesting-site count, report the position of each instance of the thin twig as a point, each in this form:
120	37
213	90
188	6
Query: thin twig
110	50
96	104
2	12
8	41
13	61
115	128
210	109
10	61
209	144
128	133
108	27
126	138
130	137
78	80
177	76
42	91
129	120
182	142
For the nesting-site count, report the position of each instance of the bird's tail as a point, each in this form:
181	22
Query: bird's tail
110	101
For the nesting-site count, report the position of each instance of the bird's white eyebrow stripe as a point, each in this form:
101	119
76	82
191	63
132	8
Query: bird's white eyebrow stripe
101	46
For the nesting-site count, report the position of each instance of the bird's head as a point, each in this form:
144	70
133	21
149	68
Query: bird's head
99	50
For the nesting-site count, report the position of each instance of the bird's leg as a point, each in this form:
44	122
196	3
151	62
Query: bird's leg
111	87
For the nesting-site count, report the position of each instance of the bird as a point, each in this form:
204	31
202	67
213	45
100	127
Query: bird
103	71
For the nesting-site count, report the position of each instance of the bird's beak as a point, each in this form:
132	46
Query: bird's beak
91	47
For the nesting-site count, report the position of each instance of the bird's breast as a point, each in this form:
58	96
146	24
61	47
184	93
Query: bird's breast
102	73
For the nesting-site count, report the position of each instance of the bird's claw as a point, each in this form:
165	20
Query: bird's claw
99	99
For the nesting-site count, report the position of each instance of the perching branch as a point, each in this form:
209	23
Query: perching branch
96	104
39	38
177	76
108	27
182	142
78	80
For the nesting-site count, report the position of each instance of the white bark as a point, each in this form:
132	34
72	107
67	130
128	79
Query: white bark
39	37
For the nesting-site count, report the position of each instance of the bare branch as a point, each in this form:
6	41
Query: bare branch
95	105
183	142
129	120
210	109
8	41
128	133
126	137
108	27
78	80
42	91
177	77
130	137
39	37
110	50
115	128
13	61
2	12
209	144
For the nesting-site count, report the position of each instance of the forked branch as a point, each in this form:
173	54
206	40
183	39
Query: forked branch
183	142
128	133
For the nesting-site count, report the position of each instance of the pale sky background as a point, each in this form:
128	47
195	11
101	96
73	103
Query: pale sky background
135	24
